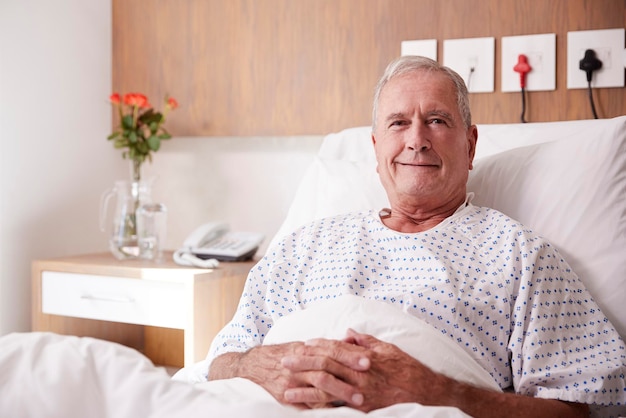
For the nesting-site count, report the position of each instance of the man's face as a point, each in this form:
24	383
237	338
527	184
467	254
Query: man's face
423	150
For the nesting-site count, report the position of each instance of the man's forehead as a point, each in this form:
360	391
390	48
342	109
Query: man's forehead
433	91
420	81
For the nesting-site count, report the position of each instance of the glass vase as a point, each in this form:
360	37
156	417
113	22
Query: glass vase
128	197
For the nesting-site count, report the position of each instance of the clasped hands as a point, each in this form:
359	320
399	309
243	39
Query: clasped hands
359	371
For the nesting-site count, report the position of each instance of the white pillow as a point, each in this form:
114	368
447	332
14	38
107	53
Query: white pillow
331	319
570	187
573	192
331	187
343	176
496	138
352	144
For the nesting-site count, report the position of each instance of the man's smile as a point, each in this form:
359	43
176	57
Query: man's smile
417	163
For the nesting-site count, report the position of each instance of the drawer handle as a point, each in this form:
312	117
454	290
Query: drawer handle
108	299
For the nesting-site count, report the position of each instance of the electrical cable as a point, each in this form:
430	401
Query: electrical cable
522	67
593	106
469	77
185	257
522	116
589	64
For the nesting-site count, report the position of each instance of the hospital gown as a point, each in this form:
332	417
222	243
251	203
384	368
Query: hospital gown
500	291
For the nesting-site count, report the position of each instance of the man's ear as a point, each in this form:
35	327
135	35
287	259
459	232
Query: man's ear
472	140
374	145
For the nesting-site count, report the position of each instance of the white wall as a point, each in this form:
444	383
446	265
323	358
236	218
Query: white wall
247	182
55	72
55	161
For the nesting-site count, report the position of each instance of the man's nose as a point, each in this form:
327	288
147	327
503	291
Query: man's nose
418	139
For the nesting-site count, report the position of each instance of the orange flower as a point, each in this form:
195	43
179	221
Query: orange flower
172	103
115	98
136	99
141	127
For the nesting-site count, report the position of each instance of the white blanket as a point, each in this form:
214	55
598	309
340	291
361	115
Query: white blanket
48	375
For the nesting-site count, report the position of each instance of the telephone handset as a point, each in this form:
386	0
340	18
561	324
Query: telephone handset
212	242
205	234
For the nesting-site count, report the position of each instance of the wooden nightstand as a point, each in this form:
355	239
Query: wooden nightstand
169	312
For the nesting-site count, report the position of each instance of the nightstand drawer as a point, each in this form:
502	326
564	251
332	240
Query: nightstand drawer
134	301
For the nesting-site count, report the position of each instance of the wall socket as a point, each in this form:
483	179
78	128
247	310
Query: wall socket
462	55
609	47
541	53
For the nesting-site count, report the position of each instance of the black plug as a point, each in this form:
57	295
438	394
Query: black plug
590	63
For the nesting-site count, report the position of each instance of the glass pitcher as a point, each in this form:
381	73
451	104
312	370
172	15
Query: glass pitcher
129	196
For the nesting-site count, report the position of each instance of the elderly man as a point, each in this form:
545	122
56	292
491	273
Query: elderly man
445	261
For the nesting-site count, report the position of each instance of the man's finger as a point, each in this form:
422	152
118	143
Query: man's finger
362	340
333	380
325	363
314	395
349	355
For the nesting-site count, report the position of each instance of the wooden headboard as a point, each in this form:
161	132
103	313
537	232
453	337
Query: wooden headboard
300	67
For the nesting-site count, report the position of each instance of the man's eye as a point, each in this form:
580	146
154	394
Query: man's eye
397	123
437	121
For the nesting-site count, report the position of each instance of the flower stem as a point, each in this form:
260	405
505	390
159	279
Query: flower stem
135	111
136	169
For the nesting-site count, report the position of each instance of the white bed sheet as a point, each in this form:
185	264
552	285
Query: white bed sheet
48	375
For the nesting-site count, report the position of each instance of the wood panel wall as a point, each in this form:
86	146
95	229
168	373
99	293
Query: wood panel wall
299	67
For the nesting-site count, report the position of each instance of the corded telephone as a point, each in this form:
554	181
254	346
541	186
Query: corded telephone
212	242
